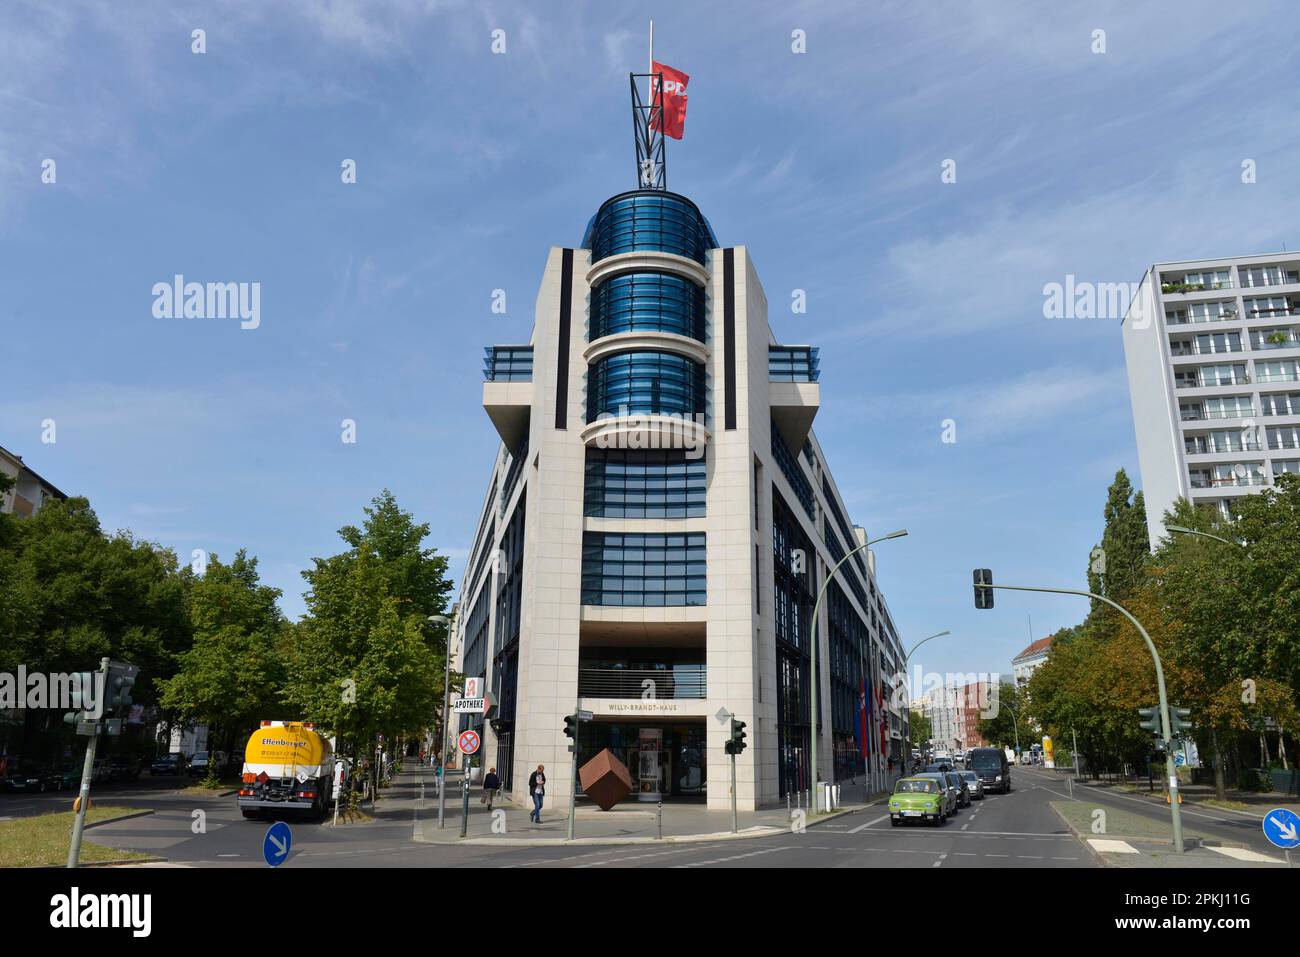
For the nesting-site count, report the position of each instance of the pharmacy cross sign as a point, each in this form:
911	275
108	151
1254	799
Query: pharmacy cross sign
468	742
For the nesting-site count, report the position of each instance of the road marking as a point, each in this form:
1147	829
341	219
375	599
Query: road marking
1112	847
735	857
863	827
997	855
227	855
1242	854
939	861
964	854
964	826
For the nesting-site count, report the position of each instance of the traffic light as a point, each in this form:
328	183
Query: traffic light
1180	720
1150	719
121	680
571	726
983	594
736	742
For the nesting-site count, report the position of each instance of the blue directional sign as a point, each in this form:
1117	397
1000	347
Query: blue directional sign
276	844
1282	827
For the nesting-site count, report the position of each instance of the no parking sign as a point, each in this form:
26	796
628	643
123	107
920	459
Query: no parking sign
468	742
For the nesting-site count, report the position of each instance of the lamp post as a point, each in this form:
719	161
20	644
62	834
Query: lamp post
812	666
1191	531
1166	723
1015	725
446	696
907	659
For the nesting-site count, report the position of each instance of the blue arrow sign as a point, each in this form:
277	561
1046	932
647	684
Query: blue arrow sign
276	844
1282	827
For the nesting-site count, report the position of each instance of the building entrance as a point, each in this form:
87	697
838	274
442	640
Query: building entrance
666	759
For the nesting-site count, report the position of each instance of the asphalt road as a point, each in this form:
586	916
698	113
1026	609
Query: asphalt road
1019	829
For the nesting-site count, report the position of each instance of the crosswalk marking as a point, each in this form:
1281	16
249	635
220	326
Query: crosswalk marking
1242	854
1112	847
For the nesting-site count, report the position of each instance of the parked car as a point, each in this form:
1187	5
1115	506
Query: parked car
973	784
199	763
918	799
938	767
30	778
123	768
167	764
70	774
949	792
959	782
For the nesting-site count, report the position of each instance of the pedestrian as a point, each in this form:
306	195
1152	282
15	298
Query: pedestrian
537	788
491	785
421	759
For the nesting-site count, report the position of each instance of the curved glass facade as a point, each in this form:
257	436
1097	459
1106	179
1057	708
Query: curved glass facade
649	220
645	383
647	301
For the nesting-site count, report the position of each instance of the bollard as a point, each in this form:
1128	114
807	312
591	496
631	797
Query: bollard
661	821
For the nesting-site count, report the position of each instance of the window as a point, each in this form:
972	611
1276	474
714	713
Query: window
645	383
644	484
654	301
643	570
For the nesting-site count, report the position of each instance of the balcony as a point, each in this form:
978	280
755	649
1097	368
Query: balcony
1240	379
1181	317
1278	377
1268	276
678	682
1286	342
1201	415
1220	448
1178	286
1228	481
794	392
508	364
508	391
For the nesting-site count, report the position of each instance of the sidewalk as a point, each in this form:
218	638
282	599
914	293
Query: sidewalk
1258	802
629	822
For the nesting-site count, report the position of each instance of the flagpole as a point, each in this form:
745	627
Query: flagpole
650	81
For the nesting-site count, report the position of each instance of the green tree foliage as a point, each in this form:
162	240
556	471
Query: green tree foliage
1124	542
233	674
365	660
999	729
922	728
73	594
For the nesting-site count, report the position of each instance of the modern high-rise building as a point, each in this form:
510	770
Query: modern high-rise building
1213	354
657	524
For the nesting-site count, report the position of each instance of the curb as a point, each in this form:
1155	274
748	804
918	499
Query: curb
125	862
115	820
1096	854
750	833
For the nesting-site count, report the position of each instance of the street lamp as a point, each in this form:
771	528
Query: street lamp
906	662
445	622
812	666
1192	531
984	599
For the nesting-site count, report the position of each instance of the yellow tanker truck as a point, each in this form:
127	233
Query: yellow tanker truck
288	766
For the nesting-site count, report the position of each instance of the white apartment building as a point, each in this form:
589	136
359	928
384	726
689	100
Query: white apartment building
1213	355
29	491
657	524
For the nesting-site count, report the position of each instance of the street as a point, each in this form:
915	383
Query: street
1020	829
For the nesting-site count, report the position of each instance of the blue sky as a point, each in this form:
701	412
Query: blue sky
926	298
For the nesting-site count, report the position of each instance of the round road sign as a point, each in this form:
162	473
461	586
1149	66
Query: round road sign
468	742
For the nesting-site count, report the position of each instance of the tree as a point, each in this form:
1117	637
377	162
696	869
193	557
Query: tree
1116	569
366	661
72	594
922	728
1008	707
233	674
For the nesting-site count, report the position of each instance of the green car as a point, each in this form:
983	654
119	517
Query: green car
917	799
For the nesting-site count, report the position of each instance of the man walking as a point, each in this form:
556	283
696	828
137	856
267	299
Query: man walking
491	785
537	788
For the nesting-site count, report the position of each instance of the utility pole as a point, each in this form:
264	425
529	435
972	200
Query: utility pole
88	770
446	698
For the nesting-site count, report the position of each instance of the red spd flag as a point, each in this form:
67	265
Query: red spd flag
674	100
